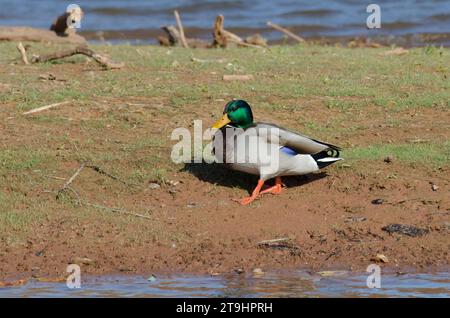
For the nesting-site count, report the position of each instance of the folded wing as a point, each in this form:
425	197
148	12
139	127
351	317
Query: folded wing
300	143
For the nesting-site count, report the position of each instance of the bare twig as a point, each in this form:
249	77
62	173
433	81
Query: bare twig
286	31
278	240
71	179
237	77
23	53
194	59
103	172
102	60
117	210
180	29
39	109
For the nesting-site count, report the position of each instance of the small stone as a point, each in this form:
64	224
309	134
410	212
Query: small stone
173	183
154	186
152	278
434	187
377	201
239	271
191	205
380	258
389	159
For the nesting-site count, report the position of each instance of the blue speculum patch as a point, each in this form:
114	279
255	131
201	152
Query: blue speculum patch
288	151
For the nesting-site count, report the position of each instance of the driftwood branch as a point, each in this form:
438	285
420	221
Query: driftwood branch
102	60
40	109
174	39
223	37
286	31
23	53
173	34
180	29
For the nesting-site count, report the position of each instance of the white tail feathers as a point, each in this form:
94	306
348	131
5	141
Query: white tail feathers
329	159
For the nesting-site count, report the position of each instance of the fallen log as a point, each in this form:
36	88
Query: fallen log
102	60
38	35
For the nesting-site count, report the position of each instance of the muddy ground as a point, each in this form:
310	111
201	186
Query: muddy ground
332	219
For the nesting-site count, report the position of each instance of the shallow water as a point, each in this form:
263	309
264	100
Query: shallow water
280	284
141	20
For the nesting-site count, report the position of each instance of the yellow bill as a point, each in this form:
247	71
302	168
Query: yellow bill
221	122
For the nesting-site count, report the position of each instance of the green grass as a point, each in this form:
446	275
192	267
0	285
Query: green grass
21	159
426	154
121	120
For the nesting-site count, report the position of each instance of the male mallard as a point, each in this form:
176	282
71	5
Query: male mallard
265	149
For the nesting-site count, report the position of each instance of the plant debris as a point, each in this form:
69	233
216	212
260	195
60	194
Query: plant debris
405	230
281	244
380	258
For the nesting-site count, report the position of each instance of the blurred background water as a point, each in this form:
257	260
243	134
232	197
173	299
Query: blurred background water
276	284
140	20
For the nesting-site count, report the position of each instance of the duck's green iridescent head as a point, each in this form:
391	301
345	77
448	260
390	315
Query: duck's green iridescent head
236	113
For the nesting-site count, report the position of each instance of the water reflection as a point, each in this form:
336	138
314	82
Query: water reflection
280	284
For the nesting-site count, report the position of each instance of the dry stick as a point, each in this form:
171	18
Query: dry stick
23	53
180	28
103	172
194	59
116	210
284	239
286	31
39	109
102	60
237	77
242	43
71	179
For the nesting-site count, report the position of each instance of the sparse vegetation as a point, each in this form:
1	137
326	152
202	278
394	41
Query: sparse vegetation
372	105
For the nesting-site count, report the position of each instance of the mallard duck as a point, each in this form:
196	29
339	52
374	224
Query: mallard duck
266	150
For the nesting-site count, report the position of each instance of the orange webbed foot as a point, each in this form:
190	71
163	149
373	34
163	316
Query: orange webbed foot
276	189
247	200
255	194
